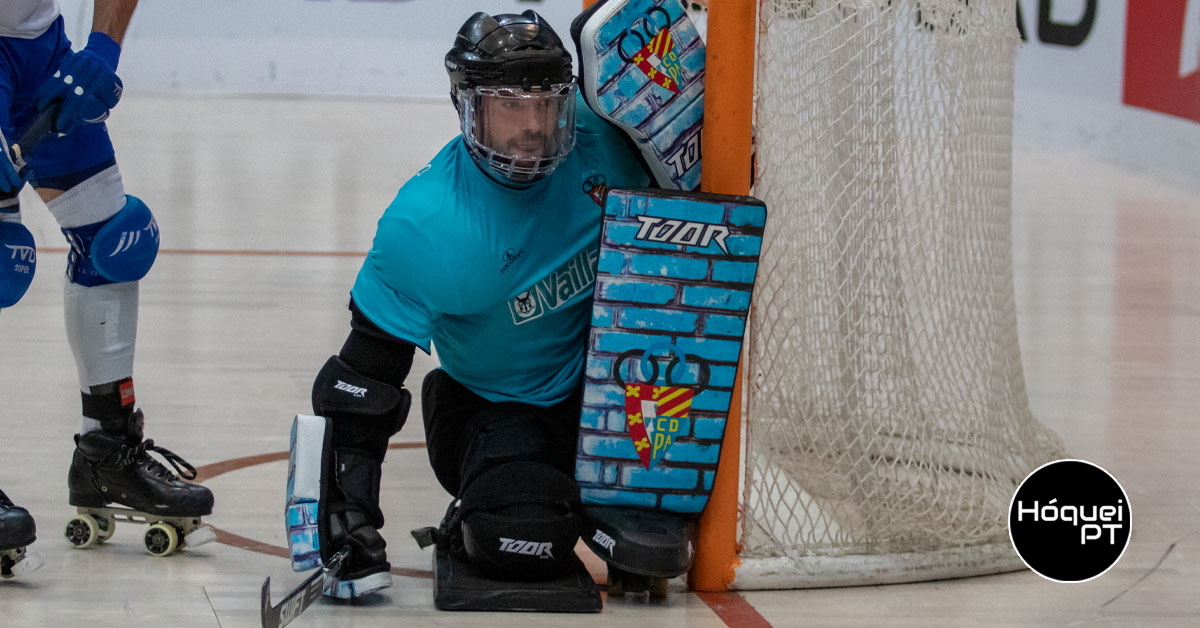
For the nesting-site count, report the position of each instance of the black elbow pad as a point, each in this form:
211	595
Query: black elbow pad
365	412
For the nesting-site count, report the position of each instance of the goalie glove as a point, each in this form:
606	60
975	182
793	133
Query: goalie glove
642	69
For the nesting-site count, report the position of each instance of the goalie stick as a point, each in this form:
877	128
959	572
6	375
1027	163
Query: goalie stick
302	596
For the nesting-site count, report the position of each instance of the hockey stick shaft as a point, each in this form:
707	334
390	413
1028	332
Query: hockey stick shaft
302	596
42	126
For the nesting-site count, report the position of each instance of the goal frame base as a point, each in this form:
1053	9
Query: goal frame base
813	572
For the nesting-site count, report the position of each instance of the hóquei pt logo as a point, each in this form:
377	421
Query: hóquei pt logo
1070	521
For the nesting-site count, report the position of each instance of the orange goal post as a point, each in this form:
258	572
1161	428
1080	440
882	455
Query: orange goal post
885	423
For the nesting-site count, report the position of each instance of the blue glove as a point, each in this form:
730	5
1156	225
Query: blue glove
86	83
10	180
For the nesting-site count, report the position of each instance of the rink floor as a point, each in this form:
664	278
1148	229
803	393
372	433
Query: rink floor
266	208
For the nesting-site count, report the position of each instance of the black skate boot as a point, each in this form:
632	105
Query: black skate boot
16	533
114	466
644	549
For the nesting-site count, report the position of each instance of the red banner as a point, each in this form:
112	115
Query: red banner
1154	46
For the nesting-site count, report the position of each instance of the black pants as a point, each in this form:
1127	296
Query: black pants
466	434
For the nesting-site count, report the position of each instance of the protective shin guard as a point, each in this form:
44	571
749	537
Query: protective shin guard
101	329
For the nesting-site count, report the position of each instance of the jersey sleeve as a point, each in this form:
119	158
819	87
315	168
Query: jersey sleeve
607	146
396	286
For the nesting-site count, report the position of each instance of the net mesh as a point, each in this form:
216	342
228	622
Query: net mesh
887	413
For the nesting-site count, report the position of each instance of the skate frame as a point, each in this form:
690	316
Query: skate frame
302	596
18	562
129	515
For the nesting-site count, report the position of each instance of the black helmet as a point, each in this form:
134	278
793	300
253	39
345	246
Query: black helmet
508	49
515	64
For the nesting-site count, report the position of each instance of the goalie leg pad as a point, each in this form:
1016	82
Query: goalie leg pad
642	69
18	260
308	451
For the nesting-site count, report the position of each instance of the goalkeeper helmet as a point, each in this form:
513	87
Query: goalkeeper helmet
511	81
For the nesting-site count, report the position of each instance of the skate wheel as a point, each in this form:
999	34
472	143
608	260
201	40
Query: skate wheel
82	531
106	526
622	583
161	539
658	589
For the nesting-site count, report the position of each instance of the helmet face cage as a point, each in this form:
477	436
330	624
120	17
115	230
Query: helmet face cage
518	135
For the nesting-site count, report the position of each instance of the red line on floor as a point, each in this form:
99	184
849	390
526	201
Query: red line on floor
731	608
734	610
226	537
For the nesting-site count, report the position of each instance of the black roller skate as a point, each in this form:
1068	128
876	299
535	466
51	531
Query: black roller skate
16	533
114	478
644	549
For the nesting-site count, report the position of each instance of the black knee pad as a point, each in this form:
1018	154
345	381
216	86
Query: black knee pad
518	521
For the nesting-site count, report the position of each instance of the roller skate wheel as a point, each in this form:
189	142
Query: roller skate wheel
622	583
82	531
658	588
106	526
161	539
200	536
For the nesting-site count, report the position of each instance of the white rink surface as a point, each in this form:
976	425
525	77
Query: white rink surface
266	206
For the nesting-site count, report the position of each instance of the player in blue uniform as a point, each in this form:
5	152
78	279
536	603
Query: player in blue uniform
113	238
488	254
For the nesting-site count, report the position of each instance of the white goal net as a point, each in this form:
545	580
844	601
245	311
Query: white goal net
888	424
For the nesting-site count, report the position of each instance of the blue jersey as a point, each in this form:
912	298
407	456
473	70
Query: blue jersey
499	279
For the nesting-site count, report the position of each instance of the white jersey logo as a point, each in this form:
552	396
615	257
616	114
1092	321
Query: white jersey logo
558	289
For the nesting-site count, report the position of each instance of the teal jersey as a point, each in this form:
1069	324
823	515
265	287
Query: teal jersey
500	280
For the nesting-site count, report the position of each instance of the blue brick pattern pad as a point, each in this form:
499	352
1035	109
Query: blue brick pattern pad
303	543
665	123
658	288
